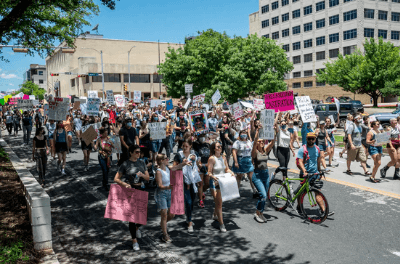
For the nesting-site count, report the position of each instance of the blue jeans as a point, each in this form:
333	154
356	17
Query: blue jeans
27	133
155	145
190	196
104	168
261	182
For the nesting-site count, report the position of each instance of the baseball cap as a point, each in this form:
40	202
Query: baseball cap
311	134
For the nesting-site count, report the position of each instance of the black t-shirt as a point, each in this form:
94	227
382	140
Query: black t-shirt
202	151
40	143
129	136
129	170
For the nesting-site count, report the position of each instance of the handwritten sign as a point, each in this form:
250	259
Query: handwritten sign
92	94
32	97
155	102
25	104
13	100
229	187
267	121
216	96
157	130
198	121
199	98
110	97
258	104
177	197
247	105
58	109
77	105
96	127
93	105
188	88
137	96
382	138
372	118
127	205
237	110
119	100
187	103
89	135
282	101
46	109
117	144
305	108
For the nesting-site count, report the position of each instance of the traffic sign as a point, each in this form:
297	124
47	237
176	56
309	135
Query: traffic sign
189	88
93	74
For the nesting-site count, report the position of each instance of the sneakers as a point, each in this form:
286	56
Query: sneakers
166	239
222	228
329	214
63	172
190	229
201	204
138	234
136	246
258	218
86	168
245	178
383	173
215	218
263	218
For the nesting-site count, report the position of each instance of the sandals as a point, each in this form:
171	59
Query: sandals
349	172
374	180
367	173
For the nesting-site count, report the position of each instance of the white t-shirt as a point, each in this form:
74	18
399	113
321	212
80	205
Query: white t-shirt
284	138
243	148
165	176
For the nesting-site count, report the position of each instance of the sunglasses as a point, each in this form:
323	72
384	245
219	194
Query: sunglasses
137	152
218	147
310	139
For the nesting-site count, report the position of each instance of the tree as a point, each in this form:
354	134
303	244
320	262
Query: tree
31	88
237	66
38	24
376	72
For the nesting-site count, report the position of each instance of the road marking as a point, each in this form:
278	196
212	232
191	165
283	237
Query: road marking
396	253
353	185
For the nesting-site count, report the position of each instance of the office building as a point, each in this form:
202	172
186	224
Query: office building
36	74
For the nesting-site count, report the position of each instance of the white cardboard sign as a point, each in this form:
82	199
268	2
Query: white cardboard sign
258	104
137	96
93	105
382	138
92	94
189	88
199	98
215	98
110	96
229	187
119	100
305	108
267	121
157	130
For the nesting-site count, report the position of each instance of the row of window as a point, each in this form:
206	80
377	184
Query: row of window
116	77
347	16
333	53
306	84
306	73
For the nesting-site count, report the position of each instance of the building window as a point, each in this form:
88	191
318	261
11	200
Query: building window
350	15
87	78
320	83
333	20
296	13
296	74
368	32
265	23
333	3
307	73
395	17
382	33
395	34
294	1
40	81
285	2
307	10
296	45
264	9
320	6
285	17
296	85
296	30
275	35
307	27
137	78
320	41
333	37
369	13
308	43
266	36
350	34
333	53
319	70
108	77
73	82
157	78
286	47
308	84
382	15
275	5
297	59
285	33
275	20
349	49
320	23
321	55
40	72
308	57
396	1
345	1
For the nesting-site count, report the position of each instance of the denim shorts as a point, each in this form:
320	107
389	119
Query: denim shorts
163	199
155	145
322	147
245	165
374	150
212	185
70	133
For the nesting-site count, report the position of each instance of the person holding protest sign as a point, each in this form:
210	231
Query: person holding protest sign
366	127
135	173
355	149
165	143
61	147
27	127
349	123
155	143
128	137
181	127
260	177
374	151
212	122
394	150
104	146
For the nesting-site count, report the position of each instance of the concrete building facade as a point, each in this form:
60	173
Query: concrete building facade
73	68
315	31
36	74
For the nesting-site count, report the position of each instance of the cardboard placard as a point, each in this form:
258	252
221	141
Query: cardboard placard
169	105
77	105
58	109
199	98
382	138
119	100
110	97
177	197
267	118
228	186
25	104
188	88
305	108
157	130
247	105
198	121
282	101
155	102
237	110
92	94
93	105
258	104
187	103
137	96
216	96
89	135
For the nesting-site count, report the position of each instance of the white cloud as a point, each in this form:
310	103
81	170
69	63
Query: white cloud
9	76
11	84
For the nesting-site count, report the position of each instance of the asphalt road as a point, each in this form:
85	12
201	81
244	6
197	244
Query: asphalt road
364	228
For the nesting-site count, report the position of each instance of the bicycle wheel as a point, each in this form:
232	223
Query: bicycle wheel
278	195
314	206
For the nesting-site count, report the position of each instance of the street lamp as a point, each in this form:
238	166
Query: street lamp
102	71
129	74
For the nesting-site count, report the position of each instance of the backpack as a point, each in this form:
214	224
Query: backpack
305	156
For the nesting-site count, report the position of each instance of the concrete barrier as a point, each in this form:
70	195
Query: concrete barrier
38	202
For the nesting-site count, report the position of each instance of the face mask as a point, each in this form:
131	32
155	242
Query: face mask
283	127
243	136
78	116
181	117
129	124
155	118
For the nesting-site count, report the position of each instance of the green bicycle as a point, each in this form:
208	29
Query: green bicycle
313	204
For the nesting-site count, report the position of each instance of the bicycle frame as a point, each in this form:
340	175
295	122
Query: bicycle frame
305	187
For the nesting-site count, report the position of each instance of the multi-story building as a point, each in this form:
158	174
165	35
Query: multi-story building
36	74
68	72
314	31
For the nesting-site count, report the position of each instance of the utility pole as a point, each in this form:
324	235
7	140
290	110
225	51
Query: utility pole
129	74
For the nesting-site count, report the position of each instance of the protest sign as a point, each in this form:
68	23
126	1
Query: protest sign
169	105
337	102
247	105
305	108
110	97
155	102
25	104
282	101
198	121
96	127
382	138
228	186
157	130
237	110
127	205
207	107
199	98
35	102
216	96
267	121
119	100
92	94
93	105
77	105
137	96
188	88
117	144
177	197
58	109
46	109
332	119
32	97
21	95
13	100
89	135
25	97
258	104
372	118
187	103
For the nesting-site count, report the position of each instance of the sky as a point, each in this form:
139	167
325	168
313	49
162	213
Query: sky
166	21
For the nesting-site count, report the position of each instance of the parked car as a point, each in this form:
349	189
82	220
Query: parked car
325	110
384	118
353	107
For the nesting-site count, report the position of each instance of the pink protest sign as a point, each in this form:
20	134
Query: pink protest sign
25	97
127	205
177	197
282	101
13	100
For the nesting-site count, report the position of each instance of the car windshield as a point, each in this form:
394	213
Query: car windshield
357	103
